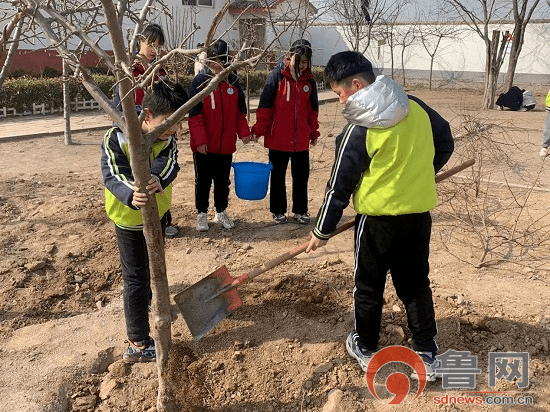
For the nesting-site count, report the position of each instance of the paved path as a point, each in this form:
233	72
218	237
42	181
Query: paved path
28	127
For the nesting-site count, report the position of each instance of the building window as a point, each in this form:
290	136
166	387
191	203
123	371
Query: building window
205	3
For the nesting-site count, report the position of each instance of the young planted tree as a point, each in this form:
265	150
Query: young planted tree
493	207
10	41
84	23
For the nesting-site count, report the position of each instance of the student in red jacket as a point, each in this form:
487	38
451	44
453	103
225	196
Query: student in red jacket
150	43
287	118
214	125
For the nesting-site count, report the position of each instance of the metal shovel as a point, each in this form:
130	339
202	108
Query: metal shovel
210	300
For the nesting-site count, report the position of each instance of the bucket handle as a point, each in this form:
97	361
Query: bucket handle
251	144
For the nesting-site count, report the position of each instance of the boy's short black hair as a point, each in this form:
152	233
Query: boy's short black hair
164	97
219	50
341	66
152	33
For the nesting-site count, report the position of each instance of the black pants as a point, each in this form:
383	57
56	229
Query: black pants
210	168
134	263
299	166
399	244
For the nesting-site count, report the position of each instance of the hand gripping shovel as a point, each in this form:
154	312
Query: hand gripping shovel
210	300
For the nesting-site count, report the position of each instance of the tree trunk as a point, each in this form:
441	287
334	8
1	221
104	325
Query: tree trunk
403	66
11	53
66	104
517	41
431	70
494	60
162	320
139	162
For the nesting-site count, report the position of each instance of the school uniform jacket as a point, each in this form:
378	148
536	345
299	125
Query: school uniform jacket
220	117
288	110
140	67
386	157
118	177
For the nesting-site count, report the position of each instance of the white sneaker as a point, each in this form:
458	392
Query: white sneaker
202	222
224	219
171	231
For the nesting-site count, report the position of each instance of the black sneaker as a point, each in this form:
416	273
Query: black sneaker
279	218
431	364
141	351
303	219
363	356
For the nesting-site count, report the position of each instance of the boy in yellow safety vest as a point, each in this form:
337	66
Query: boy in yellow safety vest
123	201
386	158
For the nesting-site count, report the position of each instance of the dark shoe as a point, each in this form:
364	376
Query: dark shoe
363	356
302	219
141	351
431	364
279	218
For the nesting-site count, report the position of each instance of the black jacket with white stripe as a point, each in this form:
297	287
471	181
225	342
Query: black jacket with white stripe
352	160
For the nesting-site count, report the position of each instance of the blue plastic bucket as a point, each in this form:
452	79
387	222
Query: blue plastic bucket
251	179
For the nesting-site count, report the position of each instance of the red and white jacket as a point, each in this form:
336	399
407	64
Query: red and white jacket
288	110
220	117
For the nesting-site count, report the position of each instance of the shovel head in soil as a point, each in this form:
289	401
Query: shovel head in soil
201	318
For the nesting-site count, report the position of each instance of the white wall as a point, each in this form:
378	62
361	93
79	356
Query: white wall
464	58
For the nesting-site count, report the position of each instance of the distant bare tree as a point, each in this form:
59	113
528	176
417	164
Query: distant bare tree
522	13
406	35
388	29
357	19
433	33
477	15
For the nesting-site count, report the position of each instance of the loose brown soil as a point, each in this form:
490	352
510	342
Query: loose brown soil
61	320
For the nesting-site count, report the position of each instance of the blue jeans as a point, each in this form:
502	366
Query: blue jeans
134	264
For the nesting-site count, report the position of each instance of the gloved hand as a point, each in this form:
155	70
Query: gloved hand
543	152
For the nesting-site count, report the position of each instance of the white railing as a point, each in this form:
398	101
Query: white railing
43	108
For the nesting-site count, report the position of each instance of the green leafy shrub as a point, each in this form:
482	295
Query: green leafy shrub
51	72
22	92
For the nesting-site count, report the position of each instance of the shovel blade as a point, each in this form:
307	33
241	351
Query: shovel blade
200	311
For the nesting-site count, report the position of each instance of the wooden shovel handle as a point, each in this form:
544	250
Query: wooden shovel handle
454	170
345	226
